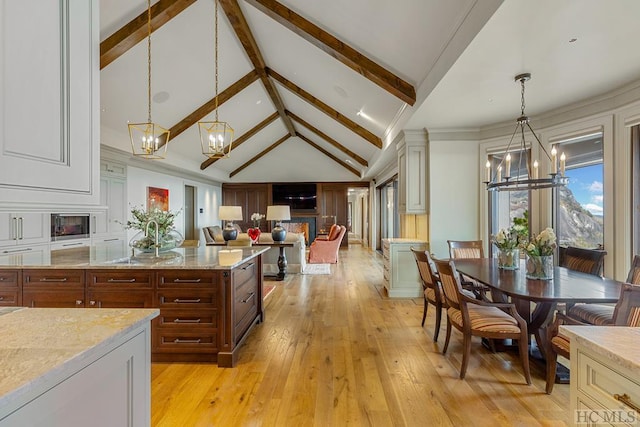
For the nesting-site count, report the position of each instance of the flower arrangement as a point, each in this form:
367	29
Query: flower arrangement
543	244
510	238
256	217
168	238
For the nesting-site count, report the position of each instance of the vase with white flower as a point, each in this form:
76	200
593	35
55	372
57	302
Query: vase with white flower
508	242
254	233
540	250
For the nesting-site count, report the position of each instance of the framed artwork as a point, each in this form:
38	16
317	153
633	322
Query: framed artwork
157	198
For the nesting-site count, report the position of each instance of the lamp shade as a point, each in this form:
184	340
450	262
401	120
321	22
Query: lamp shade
230	213
278	213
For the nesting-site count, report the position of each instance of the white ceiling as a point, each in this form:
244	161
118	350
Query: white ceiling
461	68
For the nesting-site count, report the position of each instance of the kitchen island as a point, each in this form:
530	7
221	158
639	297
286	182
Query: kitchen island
209	297
75	367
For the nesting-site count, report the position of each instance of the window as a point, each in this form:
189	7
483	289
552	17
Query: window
635	187
579	207
389	220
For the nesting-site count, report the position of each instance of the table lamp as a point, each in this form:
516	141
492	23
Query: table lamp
278	214
229	214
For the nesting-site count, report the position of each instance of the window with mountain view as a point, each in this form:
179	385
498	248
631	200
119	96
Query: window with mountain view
579	211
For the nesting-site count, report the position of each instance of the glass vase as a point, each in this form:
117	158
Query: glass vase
540	267
509	259
166	241
254	234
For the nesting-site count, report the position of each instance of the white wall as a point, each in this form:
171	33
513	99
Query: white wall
208	196
453	181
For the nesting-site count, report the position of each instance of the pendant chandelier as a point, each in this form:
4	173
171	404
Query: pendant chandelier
216	137
501	177
148	140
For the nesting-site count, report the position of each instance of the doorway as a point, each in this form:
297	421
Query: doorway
358	216
190	221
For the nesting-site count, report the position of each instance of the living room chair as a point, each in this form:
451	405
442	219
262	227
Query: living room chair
326	251
601	314
479	318
213	234
627	313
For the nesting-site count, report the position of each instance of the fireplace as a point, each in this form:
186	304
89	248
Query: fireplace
310	220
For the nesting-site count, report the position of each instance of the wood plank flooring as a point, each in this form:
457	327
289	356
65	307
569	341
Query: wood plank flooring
335	351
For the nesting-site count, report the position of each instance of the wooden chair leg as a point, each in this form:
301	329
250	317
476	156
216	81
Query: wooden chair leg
552	360
438	320
523	348
466	354
446	341
424	313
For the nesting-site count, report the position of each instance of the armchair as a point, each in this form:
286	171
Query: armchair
326	251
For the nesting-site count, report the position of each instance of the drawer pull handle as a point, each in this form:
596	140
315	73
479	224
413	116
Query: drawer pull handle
16	250
179	341
79	302
2	279
248	266
250	296
1	298
48	279
186	280
186	321
180	301
121	280
626	399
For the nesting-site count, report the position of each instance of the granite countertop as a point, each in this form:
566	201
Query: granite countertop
105	256
619	344
40	345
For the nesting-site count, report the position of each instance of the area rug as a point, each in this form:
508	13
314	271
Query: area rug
266	291
317	269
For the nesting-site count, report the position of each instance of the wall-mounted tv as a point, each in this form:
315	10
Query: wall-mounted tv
297	196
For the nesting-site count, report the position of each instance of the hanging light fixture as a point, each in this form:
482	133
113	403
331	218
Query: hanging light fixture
501	177
216	137
148	140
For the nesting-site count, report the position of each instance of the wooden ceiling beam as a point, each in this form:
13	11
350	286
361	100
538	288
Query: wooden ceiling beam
136	30
259	155
338	49
331	156
238	142
345	121
245	36
330	140
210	105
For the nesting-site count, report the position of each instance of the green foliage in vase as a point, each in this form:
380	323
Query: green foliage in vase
142	217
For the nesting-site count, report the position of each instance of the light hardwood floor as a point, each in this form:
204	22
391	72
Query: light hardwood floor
335	351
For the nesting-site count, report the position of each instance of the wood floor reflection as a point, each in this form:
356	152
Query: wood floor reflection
334	351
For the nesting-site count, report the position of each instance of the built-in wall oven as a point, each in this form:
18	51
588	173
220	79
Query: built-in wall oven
69	226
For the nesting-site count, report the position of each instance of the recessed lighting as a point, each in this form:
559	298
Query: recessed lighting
340	91
161	97
259	101
571	40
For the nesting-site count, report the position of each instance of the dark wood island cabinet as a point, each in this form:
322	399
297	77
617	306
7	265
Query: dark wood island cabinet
206	309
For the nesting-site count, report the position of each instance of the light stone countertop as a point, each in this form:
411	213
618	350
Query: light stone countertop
42	345
619	344
104	256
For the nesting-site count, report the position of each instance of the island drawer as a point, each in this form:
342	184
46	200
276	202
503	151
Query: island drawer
53	298
9	278
186	299
10	297
245	272
245	306
133	298
187	278
53	278
185	318
120	279
185	340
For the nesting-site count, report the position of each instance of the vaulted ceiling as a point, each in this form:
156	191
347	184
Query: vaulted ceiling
317	90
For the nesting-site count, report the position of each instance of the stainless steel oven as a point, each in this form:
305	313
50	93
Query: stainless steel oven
69	226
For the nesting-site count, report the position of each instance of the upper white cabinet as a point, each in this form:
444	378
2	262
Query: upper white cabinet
113	194
49	102
413	160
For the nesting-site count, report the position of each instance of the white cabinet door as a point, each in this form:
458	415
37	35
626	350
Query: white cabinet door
8	229
24	228
117	205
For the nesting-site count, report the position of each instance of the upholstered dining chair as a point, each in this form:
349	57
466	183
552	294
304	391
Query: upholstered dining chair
479	318
626	313
431	288
588	261
601	314
463	249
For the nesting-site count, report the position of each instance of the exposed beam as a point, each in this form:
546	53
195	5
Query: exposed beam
330	140
331	156
238	142
345	121
338	49
136	30
210	105
243	32
260	154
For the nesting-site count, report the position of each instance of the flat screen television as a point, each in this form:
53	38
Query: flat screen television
297	196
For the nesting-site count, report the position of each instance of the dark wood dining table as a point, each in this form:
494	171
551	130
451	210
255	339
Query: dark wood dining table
567	286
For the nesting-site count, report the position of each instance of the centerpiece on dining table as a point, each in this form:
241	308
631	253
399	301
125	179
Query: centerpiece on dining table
540	250
509	241
254	233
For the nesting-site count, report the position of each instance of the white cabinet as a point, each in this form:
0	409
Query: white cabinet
113	169
49	102
113	194
401	276
23	229
413	188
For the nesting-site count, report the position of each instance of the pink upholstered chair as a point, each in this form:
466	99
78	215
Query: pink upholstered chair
324	251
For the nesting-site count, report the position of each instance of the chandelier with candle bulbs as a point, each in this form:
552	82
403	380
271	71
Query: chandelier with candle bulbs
500	178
